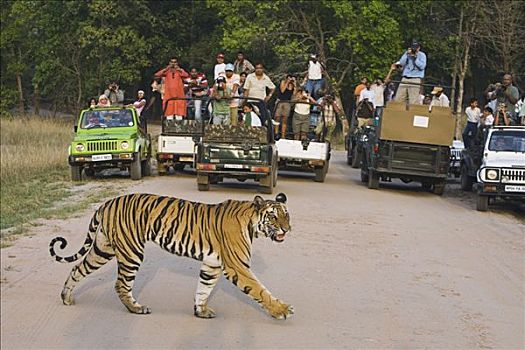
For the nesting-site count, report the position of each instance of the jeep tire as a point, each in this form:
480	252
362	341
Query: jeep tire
373	180
146	167
356	158
266	184
162	169
76	173
203	182
466	180
320	173
135	170
482	202
439	188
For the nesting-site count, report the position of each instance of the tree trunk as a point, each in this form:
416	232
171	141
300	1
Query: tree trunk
20	93
459	109
36	100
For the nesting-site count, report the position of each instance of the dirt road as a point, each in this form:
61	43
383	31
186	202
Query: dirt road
391	268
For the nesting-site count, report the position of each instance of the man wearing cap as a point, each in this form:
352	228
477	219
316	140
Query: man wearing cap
233	82
219	67
439	99
413	64
314	76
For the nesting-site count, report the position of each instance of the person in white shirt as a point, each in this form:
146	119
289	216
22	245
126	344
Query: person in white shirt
249	117
256	86
139	103
487	119
378	88
368	93
473	117
314	76
439	99
220	67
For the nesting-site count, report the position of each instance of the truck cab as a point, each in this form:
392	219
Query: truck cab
502	171
110	137
237	151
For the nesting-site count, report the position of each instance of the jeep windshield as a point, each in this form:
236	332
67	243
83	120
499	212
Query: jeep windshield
107	119
507	141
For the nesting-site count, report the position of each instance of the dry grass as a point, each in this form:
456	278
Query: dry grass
33	166
32	145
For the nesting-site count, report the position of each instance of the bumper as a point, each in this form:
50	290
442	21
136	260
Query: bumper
301	164
500	190
101	160
175	158
410	174
234	170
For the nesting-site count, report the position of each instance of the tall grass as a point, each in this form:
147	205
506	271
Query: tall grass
33	156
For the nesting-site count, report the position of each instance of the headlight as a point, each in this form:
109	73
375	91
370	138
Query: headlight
124	145
364	138
492	174
79	147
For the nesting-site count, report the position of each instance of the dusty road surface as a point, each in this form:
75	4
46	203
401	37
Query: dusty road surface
394	268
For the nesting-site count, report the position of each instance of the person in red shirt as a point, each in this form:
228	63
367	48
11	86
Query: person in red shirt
173	87
197	86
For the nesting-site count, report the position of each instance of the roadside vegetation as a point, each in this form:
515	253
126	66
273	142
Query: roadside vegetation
35	180
34	168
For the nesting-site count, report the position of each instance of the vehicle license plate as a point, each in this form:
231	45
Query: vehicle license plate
512	188
186	159
100	157
233	166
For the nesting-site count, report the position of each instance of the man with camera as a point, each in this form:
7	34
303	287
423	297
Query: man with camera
221	102
412	64
506	96
114	94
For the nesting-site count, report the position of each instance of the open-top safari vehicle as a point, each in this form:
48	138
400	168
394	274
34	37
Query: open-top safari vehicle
310	153
237	151
176	145
110	137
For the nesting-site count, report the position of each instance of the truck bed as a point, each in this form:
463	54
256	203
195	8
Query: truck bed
291	149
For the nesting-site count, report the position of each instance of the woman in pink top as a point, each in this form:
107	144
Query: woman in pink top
173	87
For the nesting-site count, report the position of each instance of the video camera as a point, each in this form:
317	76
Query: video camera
413	48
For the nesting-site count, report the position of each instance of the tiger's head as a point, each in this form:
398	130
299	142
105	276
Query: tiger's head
273	218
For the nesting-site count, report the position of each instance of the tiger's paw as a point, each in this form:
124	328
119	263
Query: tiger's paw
139	309
67	297
280	310
203	311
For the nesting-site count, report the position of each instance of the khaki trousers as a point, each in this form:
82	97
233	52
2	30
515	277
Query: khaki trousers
407	90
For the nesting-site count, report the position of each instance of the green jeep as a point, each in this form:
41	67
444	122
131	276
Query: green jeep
110	137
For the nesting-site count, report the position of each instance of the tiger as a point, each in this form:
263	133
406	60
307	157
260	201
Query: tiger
220	235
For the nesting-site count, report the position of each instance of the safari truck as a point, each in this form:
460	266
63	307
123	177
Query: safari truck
110	137
309	155
499	166
412	143
241	152
176	145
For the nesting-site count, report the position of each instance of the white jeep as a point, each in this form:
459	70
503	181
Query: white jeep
502	171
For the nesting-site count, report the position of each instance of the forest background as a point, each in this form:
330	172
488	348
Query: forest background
58	54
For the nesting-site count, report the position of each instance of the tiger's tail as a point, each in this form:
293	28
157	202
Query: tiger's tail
88	243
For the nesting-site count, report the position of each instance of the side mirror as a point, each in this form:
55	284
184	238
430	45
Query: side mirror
75	128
